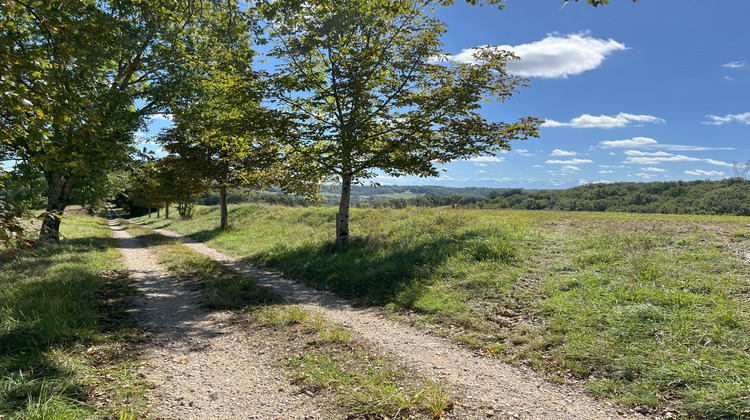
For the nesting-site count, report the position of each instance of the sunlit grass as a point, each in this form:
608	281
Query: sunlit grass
647	309
63	328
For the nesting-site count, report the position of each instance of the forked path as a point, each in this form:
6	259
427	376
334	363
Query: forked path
487	387
202	366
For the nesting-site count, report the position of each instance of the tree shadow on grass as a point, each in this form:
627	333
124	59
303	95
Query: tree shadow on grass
70	308
372	272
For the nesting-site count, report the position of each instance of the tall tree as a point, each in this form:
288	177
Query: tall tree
368	88
76	71
223	132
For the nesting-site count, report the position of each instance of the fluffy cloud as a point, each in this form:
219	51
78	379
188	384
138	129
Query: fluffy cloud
558	152
601	181
570	168
718	120
735	64
480	159
654	169
704	173
604	121
674	158
165	117
554	56
647	143
640	153
634	142
570	161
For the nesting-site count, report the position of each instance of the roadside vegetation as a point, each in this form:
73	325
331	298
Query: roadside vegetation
320	357
64	334
650	310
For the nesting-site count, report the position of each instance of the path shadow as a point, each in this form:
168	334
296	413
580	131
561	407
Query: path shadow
371	272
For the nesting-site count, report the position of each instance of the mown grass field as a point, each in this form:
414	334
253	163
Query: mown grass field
64	335
650	310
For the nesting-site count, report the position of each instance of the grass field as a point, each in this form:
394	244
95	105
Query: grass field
64	335
651	310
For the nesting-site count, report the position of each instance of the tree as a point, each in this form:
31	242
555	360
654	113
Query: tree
75	72
368	88
223	133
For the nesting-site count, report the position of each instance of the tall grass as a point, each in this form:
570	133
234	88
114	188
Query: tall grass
60	312
651	310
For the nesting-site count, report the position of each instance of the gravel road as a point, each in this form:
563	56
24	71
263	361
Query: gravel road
206	369
202	366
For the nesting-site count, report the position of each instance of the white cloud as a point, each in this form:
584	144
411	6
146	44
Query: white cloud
166	117
648	143
523	152
640	153
652	169
704	173
554	56
675	158
718	162
604	121
601	181
718	120
735	64
634	142
558	152
645	175
728	78
569	168
486	159
606	172
570	161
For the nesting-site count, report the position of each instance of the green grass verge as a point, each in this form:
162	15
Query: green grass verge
64	333
651	310
326	358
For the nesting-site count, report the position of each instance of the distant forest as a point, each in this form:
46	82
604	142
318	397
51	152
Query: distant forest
729	197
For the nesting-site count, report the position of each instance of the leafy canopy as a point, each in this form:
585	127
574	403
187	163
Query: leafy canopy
366	86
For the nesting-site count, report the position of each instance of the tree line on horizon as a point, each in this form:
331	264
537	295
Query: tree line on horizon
703	197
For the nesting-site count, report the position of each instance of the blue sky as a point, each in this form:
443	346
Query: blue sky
657	90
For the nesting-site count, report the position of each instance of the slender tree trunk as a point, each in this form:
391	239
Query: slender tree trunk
59	187
149	212
158	212
223	205
342	218
166	210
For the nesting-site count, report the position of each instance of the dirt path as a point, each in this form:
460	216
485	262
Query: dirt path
202	366
488	387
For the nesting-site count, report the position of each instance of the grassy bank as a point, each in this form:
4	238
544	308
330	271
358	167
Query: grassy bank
64	335
650	310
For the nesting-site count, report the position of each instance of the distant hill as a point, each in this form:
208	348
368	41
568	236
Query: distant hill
729	196
361	194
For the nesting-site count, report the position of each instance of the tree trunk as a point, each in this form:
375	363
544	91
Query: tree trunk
166	210
158	212
342	218
59	187
149	212
223	205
